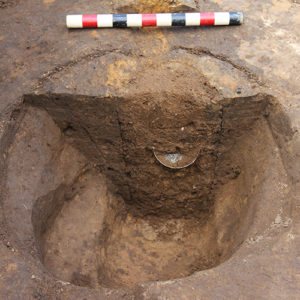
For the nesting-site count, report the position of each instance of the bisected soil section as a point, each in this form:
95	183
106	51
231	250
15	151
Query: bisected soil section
101	211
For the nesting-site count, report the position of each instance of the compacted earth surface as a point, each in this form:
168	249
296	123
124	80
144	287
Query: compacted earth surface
149	163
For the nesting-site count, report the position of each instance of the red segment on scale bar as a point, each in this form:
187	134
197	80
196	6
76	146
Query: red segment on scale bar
148	20
89	21
207	19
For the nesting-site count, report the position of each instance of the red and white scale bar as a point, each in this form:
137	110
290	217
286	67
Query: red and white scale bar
154	20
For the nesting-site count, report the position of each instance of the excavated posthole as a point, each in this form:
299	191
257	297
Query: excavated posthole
101	211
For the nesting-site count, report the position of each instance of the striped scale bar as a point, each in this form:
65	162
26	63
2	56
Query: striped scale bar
154	20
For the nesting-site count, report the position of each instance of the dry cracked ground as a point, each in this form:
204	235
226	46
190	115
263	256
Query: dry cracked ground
91	119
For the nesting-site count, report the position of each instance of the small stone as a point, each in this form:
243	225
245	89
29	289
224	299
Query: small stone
278	219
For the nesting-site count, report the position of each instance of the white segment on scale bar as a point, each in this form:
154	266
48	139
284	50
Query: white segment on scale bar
163	20
74	21
105	20
134	20
222	18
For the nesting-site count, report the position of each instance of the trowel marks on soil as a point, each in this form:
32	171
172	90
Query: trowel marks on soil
115	216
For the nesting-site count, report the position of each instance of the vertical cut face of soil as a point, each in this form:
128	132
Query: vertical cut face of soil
113	215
